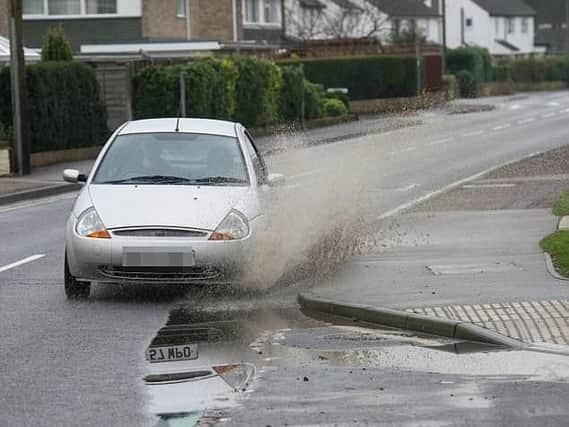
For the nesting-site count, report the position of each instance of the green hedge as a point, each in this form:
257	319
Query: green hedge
475	60
540	70
334	108
467	84
502	72
65	107
314	97
366	77
257	91
290	100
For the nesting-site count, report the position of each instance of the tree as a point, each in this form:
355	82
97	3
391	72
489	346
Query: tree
56	47
354	19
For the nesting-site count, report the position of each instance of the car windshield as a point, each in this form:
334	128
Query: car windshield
173	158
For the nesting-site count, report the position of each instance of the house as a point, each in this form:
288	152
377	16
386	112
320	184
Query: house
504	27
123	22
30	55
551	21
349	19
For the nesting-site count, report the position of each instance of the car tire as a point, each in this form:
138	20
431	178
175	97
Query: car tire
75	289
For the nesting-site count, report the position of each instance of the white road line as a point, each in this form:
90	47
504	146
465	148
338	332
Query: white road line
440	141
489	185
515	107
553	104
406	150
407	188
528	120
448	187
565	111
548	115
475	133
21	262
506	126
305	174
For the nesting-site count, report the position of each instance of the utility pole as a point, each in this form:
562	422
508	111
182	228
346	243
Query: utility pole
444	12
20	122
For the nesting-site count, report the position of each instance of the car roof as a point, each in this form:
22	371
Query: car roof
206	126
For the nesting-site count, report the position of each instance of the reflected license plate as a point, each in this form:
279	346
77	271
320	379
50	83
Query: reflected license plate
172	353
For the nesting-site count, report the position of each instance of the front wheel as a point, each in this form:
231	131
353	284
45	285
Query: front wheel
75	289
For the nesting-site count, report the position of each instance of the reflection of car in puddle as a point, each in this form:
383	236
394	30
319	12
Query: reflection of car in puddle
193	367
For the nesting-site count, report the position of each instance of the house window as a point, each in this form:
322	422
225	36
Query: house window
511	25
396	25
33	7
64	7
262	12
469	22
94	7
525	25
181	8
271	11
251	9
69	7
497	26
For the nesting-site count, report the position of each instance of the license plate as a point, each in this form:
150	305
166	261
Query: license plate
158	257
172	353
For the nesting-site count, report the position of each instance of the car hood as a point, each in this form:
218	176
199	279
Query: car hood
201	207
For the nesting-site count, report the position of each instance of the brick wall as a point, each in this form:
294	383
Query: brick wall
159	20
4	30
210	20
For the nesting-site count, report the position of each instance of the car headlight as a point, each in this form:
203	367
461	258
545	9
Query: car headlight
90	225
233	227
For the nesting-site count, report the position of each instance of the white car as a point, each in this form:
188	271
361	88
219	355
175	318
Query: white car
168	201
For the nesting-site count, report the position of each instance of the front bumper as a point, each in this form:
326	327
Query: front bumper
216	262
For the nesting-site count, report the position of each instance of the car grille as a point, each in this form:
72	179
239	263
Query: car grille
160	274
160	232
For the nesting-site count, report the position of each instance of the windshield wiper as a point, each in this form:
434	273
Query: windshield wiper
220	180
152	179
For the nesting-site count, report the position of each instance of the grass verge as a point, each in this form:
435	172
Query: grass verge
557	246
561	205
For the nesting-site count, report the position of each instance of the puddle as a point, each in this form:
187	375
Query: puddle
202	363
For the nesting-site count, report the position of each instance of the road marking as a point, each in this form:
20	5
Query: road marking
565	111
440	141
548	115
506	126
407	188
21	262
406	150
516	107
305	174
489	185
528	120
553	104
430	195
475	133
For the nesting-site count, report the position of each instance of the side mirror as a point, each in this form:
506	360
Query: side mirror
275	179
73	176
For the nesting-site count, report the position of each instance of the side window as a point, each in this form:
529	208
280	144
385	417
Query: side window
258	164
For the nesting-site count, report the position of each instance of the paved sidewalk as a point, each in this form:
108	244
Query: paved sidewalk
470	255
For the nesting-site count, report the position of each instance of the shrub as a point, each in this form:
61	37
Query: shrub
365	77
257	91
467	84
334	108
314	97
486	58
65	107
56	47
155	92
340	96
469	59
292	93
502	72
